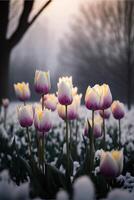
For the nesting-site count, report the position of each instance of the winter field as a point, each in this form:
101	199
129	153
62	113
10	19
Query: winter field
15	176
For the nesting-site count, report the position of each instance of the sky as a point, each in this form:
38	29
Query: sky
42	39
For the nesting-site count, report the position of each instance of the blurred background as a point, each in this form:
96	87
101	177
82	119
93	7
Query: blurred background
92	40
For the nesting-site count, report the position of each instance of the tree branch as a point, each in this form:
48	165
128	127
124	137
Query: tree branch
4	10
23	22
39	12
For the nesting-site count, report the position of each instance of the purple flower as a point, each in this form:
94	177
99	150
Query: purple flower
25	115
111	164
42	82
118	110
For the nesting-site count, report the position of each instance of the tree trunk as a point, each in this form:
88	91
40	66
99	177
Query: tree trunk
4	73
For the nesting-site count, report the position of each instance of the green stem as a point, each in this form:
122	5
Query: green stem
5	117
42	101
119	134
38	147
104	132
43	146
76	131
92	150
29	142
70	125
67	148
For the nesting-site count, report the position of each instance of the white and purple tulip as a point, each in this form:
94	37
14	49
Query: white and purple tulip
42	82
97	127
105	114
42	119
50	101
65	93
111	163
106	97
118	110
22	91
92	98
25	115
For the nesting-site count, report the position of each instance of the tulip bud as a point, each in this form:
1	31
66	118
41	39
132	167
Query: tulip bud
50	101
106	97
111	164
5	103
97	127
22	91
65	87
118	109
42	82
105	114
25	115
42	119
92	98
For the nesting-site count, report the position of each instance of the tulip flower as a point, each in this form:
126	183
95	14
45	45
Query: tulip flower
5	103
50	101
106	97
25	115
22	91
97	127
92	101
73	109
111	163
105	103
105	114
65	87
42	82
42	120
118	111
92	98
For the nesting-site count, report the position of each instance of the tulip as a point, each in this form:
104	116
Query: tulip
73	109
105	114
106	97
25	115
65	93
97	127
92	98
42	82
50	101
22	91
92	101
42	119
111	163
5	103
118	110
105	103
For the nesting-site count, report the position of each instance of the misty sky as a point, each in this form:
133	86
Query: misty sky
40	43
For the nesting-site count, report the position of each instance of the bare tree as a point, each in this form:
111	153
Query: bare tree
7	44
101	44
